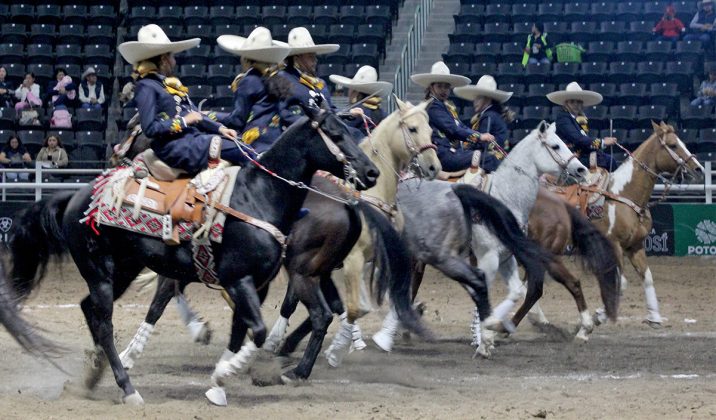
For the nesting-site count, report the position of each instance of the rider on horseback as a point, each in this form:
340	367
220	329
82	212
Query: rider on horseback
365	83
306	88
259	89
182	136
572	125
449	133
490	117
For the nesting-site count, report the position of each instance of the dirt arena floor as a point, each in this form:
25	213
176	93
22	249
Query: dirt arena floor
626	370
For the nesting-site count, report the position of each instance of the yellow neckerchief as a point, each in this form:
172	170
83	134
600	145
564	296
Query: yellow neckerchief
452	108
266	72
583	122
145	68
174	86
237	80
313	83
371	103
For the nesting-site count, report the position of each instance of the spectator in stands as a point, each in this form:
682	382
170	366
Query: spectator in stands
669	27
91	91
365	83
573	125
450	135
52	154
62	91
126	97
15	156
490	117
537	50
306	87
707	92
28	93
5	89
182	136
258	90
702	25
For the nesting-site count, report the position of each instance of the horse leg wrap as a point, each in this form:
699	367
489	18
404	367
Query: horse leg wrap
385	337
198	328
586	326
273	341
239	363
475	328
652	304
341	343
136	346
358	343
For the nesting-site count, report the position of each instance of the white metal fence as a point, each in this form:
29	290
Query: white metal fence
411	50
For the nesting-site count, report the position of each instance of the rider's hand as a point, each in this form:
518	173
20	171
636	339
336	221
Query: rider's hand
356	112
193	117
486	137
227	132
609	141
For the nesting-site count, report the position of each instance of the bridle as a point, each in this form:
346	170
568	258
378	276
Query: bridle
350	174
412	146
553	153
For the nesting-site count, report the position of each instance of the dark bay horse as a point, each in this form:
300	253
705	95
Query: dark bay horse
246	261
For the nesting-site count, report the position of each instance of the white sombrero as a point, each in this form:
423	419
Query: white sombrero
151	42
301	42
486	86
574	91
439	73
258	46
365	81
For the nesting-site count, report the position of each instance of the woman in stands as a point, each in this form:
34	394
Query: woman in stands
490	117
5	89
62	92
452	138
306	88
28	93
573	126
258	90
182	137
14	156
365	83
52	154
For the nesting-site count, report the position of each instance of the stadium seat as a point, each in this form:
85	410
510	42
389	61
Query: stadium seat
43	73
499	32
205	32
597	116
649	113
550	11
200	92
224	96
366	54
299	15
523	12
192	74
466	32
628	11
42	33
15	73
246	15
101	34
141	15
509	73
68	54
631	94
352	15
39	53
593	72
325	15
488	51
11	53
640	31
5	135
462	52
222	15
537	95
196	15
649	72
665	94
707	141
622	72
602	11
74	14
532	115
342	56
197	55
696	117
582	32
371	34
623	116
13	33
564	72
98	54
537	73
341	34
378	14
32	137
497	13
89	119
600	51
658	51
682	73
71	34
629	51
273	15
575	12
512	52
103	14
22	13
482	68
7	118
612	31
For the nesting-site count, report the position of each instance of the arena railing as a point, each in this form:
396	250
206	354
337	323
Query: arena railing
411	50
702	192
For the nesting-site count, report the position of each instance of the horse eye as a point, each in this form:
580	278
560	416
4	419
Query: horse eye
413	130
555	147
672	146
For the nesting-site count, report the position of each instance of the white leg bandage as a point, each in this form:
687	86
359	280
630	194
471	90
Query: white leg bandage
385	337
136	346
341	343
273	341
652	304
239	363
475	328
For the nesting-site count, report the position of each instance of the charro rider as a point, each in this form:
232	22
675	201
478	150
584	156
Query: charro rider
259	89
572	125
181	135
365	83
306	88
449	133
490	117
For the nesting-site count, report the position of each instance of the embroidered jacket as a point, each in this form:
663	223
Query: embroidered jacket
448	135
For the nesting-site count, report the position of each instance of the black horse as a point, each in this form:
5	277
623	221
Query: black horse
246	261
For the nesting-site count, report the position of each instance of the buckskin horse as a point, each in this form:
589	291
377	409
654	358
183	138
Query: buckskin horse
626	220
246	261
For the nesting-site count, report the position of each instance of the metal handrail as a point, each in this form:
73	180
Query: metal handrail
411	50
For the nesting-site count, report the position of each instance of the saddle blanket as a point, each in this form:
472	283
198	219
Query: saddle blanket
110	206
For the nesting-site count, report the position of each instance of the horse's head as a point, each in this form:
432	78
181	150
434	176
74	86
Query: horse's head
334	150
413	141
551	155
671	156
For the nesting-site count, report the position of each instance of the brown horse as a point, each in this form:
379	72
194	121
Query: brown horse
626	220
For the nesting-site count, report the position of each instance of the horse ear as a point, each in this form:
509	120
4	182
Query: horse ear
655	126
401	105
543	126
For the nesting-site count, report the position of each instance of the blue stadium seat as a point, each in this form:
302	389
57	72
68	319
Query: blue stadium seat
39	53
42	33
89	119
325	15
299	15
623	116
71	34
649	113
196	15
462	52
352	15
650	71
74	14
632	94
222	15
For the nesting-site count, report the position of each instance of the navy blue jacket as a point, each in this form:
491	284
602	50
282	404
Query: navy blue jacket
376	114
571	133
491	122
448	135
179	145
255	115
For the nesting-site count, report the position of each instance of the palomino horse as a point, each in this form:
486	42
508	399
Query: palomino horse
627	218
432	211
246	261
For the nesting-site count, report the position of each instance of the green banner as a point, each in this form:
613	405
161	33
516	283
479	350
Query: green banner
694	229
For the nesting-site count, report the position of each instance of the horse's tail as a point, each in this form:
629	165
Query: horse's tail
24	333
499	219
393	269
37	237
598	256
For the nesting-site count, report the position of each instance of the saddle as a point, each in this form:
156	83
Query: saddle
587	197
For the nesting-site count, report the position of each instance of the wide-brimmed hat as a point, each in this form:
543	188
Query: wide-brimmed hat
439	73
575	92
151	42
365	81
486	86
258	46
88	71
301	42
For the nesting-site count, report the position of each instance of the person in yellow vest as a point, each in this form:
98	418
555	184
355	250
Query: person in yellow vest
537	50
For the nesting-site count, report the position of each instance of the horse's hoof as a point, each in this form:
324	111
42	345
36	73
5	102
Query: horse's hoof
334	360
482	351
653	324
582	337
133	399
291	378
359	345
600	317
126	359
200	332
383	340
217	396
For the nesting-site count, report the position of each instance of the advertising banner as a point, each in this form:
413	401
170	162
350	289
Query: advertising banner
694	229
8	209
660	240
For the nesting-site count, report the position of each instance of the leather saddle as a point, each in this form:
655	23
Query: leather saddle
584	195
